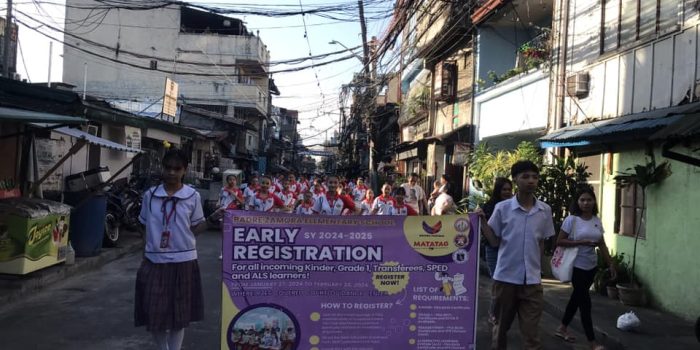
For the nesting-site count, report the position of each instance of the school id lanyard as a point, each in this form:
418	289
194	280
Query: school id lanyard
165	235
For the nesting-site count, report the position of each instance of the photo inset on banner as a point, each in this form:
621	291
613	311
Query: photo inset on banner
264	326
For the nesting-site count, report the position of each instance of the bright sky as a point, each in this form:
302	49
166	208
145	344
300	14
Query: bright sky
284	38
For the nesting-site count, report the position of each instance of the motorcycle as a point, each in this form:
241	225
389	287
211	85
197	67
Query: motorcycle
123	210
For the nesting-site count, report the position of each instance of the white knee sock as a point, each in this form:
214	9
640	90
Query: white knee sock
161	339
175	337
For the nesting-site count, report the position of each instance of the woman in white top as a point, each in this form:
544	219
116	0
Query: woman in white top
584	230
168	284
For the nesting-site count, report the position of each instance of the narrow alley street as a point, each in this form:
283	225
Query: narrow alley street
95	311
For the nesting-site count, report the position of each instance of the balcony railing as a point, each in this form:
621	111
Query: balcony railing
535	52
225	93
224	48
416	107
530	56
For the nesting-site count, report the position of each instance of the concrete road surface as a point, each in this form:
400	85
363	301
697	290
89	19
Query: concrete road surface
95	311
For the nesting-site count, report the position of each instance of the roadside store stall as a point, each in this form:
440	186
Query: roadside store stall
33	231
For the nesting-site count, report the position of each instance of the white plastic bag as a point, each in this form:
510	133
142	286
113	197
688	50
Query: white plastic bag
563	263
563	258
628	322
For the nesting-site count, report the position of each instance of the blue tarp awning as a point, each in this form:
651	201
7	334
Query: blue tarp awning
631	127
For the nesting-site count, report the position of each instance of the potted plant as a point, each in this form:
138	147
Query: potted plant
642	175
603	283
623	276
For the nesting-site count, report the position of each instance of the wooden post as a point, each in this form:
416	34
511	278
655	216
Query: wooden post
73	150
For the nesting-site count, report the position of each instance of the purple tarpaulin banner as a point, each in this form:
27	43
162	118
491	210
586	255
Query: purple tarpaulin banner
349	282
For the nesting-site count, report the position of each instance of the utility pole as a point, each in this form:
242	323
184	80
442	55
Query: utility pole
48	80
6	46
365	45
366	102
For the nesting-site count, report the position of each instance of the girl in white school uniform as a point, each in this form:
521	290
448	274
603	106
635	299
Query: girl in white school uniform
168	284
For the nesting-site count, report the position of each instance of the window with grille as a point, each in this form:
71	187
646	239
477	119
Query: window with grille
626	21
628	211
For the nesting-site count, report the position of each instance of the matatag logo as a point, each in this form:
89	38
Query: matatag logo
431	230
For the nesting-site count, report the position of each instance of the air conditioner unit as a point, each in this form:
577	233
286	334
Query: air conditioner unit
577	85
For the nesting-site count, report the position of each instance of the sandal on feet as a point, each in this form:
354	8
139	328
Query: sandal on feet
565	336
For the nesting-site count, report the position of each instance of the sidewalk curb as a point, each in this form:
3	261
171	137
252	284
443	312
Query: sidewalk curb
15	290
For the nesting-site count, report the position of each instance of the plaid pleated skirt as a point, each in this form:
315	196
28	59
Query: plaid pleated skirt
168	296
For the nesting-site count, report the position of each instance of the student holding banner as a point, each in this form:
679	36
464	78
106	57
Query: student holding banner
306	207
333	203
518	227
263	200
288	196
382	204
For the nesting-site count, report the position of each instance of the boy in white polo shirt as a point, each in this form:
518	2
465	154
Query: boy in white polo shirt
518	227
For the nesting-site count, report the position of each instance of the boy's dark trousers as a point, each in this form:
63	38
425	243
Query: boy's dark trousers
525	301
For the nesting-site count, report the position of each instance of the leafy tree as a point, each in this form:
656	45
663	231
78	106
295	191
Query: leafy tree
558	180
486	165
558	184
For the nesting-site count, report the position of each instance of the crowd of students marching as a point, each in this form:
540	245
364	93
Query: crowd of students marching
168	291
328	195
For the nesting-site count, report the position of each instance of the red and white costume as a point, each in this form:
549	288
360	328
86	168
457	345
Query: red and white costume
383	204
294	187
402	210
365	207
303	186
333	204
288	197
249	193
318	194
258	203
230	198
359	192
305	209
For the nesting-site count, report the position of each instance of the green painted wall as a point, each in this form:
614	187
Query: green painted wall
669	257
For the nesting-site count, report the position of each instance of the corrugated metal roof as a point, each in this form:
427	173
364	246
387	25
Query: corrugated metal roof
626	128
25	116
686	127
77	133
